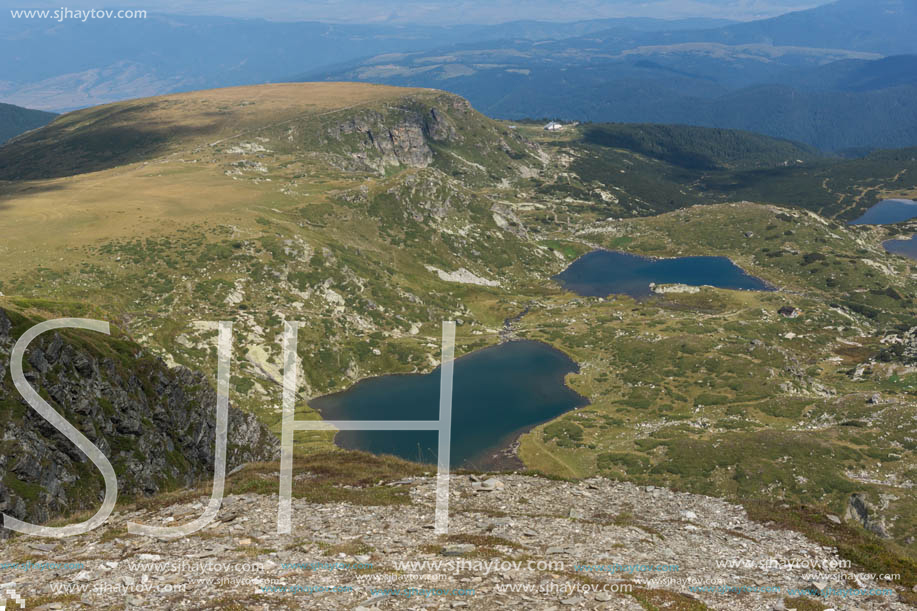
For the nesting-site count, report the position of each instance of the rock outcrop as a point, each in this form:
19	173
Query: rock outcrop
662	289
421	131
860	510
380	146
155	424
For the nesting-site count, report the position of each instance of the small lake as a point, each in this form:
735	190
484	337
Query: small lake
905	248
498	393
887	212
603	272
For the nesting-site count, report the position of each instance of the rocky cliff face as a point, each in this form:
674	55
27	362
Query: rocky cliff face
441	130
155	424
379	142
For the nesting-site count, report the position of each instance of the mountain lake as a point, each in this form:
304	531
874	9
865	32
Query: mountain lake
603	272
499	392
888	211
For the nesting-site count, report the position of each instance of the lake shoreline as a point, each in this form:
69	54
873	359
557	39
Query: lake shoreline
906	247
620	273
888	212
500	455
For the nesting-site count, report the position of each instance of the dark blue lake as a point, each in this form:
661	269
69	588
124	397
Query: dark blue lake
603	272
905	248
888	211
499	393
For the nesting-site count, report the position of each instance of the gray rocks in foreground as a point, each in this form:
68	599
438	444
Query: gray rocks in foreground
351	555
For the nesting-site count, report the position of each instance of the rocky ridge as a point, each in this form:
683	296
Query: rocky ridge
155	424
341	555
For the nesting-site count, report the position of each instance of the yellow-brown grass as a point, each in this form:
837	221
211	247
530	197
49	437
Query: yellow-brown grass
49	222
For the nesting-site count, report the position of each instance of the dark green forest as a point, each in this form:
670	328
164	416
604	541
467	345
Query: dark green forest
15	120
658	168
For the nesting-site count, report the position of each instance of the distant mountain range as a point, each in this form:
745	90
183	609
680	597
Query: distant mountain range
879	26
15	120
63	66
840	76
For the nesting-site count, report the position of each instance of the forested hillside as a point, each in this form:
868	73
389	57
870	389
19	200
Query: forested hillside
15	120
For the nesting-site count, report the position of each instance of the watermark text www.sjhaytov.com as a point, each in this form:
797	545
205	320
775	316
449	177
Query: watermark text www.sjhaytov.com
65	14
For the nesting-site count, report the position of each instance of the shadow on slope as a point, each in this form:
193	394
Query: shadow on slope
97	139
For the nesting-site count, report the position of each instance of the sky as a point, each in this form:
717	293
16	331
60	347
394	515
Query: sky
441	11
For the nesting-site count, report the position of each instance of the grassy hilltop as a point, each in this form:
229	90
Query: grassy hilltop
372	213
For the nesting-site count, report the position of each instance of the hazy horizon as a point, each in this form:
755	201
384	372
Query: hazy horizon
439	12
